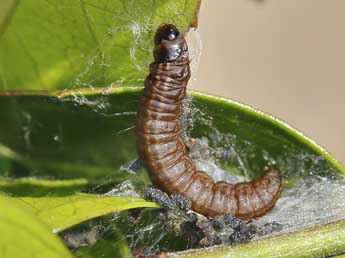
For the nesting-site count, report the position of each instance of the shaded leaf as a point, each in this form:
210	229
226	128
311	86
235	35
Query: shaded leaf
39	187
11	161
8	153
84	134
24	236
115	246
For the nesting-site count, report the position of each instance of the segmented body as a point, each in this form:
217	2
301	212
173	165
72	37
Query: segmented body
164	153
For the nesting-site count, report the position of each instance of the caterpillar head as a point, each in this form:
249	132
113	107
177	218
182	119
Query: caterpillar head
170	45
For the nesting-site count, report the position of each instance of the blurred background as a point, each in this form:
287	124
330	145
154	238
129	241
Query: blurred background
284	57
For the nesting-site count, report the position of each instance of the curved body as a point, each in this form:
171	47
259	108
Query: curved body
164	153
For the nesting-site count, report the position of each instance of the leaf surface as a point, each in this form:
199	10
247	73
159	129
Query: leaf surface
89	134
23	235
41	187
66	44
63	212
321	241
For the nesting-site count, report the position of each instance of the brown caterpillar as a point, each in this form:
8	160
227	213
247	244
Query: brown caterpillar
164	153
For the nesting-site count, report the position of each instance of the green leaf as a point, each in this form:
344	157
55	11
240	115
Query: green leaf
23	236
39	187
314	242
274	141
62	43
8	153
87	134
11	161
7	8
63	212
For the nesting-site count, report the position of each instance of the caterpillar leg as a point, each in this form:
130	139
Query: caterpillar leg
173	202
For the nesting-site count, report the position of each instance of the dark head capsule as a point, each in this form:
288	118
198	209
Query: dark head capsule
170	46
166	32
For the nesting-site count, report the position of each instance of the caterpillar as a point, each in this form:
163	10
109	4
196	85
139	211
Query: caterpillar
163	152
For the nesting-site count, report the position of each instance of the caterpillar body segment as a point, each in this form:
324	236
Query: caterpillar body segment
160	146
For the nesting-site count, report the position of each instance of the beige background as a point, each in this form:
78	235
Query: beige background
285	57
